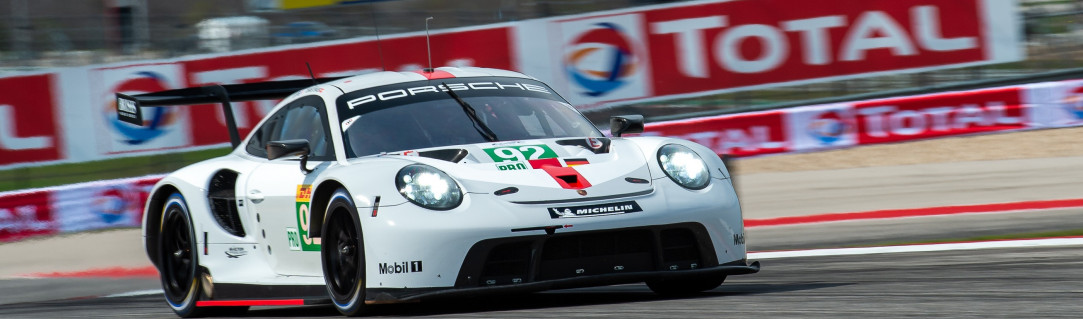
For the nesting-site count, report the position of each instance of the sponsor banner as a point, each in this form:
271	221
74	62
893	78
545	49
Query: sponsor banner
472	47
74	208
162	128
737	135
708	47
822	126
1056	104
943	114
109	204
24	215
28	113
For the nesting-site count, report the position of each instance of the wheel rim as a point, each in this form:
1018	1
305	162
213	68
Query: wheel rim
177	260
343	262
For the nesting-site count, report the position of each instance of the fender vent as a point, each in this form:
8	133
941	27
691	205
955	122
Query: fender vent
223	200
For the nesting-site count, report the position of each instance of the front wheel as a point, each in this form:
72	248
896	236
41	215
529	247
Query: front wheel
685	285
343	254
178	263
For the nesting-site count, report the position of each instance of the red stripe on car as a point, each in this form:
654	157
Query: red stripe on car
435	74
567	177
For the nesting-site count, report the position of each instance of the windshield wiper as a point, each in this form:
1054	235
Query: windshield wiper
473	115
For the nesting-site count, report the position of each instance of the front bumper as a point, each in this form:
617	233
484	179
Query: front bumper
487	242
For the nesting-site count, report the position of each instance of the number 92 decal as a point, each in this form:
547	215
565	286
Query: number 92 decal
520	153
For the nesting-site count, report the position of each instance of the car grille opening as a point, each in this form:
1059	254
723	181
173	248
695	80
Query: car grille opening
507	264
518	260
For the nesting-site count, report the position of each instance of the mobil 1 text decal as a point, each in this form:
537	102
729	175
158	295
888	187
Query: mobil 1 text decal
403	267
594	210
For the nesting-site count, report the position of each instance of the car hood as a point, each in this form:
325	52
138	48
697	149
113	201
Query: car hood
545	171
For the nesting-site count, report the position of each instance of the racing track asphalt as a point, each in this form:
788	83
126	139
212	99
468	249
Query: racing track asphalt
914	284
1009	283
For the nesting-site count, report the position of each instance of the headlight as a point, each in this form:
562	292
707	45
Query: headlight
684	166
428	187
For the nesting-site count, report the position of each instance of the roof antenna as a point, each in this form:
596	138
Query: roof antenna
427	45
379	48
314	82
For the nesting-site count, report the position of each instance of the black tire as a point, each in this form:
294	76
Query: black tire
685	285
178	263
343	255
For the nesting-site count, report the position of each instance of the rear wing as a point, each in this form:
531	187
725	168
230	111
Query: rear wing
129	106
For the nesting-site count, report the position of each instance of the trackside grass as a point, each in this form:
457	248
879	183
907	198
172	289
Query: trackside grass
61	174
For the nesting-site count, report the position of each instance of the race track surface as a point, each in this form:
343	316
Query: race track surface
1009	283
1031	282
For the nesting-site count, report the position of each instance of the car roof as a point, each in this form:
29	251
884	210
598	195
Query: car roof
370	80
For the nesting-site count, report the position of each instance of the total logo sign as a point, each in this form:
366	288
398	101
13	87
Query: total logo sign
160	129
604	59
820	126
1073	103
928	116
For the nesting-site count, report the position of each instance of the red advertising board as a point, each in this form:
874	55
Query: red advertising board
936	115
482	48
745	43
25	215
737	135
28	129
704	47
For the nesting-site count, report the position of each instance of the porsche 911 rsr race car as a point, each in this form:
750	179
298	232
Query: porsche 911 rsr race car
404	186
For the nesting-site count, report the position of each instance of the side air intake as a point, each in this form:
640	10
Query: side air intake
221	194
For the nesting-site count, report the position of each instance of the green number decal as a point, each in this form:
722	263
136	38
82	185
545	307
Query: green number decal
520	153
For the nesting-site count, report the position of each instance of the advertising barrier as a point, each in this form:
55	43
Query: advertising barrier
119	203
74	208
614	57
709	47
891	120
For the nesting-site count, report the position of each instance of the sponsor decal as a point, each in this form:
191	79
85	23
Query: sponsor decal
161	119
294	238
600	59
404	267
520	153
596	143
830	127
236	252
511	166
128	110
442	89
604	58
595	210
1073	103
303	202
738	239
111	204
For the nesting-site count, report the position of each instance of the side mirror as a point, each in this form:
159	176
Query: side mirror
278	149
621	124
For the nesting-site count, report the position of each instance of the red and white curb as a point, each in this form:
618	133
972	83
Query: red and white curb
917	212
1017	243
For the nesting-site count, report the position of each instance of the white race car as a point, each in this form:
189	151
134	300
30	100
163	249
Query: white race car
405	186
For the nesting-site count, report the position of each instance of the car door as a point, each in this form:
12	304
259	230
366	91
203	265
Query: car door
279	192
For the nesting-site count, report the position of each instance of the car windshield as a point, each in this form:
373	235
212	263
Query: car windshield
418	115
